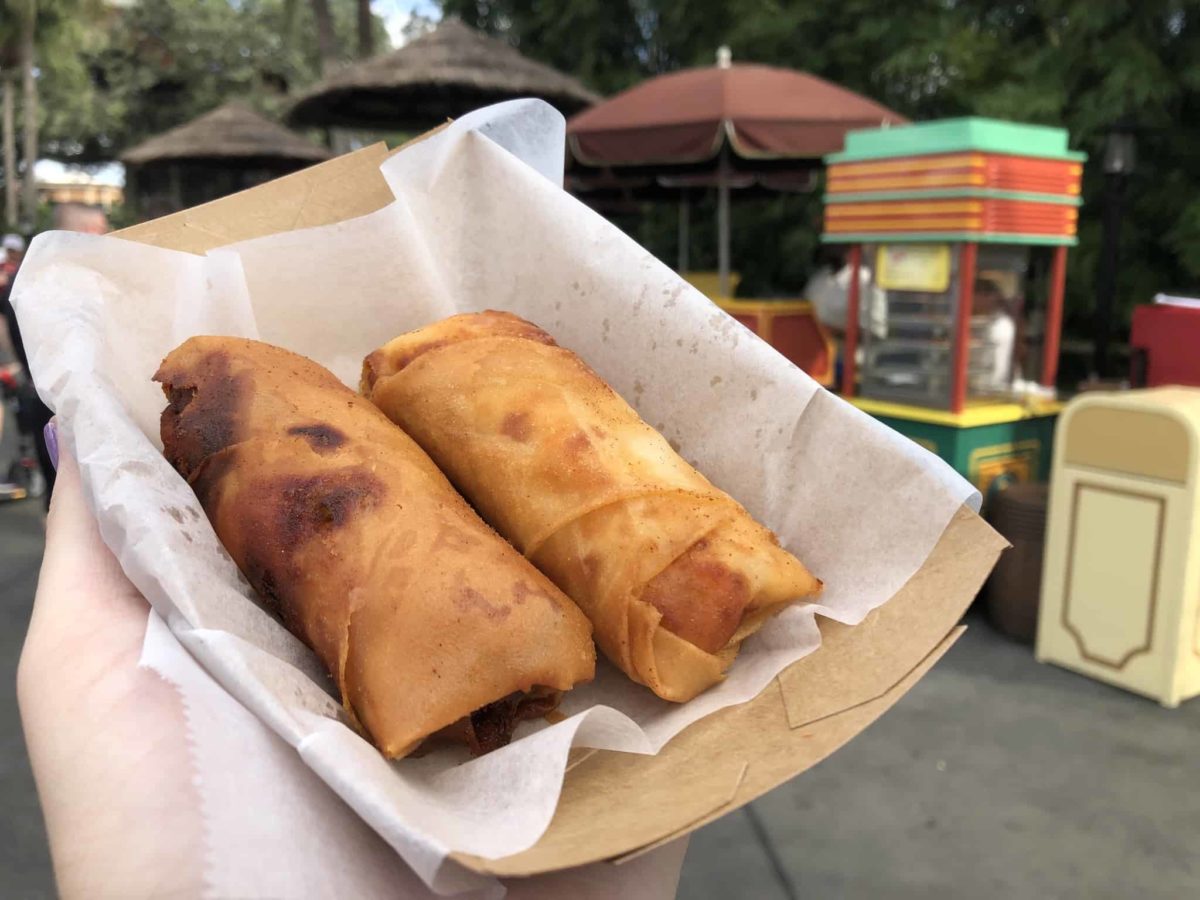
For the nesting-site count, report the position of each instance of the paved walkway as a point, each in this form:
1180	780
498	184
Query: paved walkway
995	777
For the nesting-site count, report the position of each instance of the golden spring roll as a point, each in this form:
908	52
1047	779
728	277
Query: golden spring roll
673	573
426	619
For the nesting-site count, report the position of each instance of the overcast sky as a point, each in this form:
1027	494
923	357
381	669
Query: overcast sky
396	13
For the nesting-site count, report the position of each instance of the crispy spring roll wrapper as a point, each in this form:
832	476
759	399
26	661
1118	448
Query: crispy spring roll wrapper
672	572
427	620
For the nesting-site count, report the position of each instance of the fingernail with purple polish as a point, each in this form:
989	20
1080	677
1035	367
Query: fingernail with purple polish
50	432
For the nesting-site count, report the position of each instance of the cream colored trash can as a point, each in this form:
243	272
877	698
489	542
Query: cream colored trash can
1121	581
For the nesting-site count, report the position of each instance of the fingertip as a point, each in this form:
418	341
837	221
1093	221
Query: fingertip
50	433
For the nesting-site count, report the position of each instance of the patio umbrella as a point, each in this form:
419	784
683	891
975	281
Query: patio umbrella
725	125
443	74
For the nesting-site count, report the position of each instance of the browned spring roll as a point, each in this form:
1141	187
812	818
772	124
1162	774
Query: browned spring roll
672	572
427	620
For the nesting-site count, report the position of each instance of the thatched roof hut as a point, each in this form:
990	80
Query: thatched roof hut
223	151
443	74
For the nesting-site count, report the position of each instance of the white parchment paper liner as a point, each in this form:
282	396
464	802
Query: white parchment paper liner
480	221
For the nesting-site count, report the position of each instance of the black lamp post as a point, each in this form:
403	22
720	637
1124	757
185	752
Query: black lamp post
1120	156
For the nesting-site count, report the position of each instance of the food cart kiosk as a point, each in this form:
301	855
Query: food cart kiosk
964	225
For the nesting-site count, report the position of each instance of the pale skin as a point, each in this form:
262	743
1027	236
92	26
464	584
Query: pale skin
104	736
106	739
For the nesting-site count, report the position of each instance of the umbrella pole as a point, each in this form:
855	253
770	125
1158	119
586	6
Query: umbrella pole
722	232
684	232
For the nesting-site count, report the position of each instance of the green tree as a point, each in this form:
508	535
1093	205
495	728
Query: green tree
158	63
597	40
1072	63
34	35
1088	66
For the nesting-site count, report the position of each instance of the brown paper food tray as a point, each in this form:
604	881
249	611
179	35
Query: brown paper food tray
617	805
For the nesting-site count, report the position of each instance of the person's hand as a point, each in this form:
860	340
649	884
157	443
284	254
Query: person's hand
108	744
105	737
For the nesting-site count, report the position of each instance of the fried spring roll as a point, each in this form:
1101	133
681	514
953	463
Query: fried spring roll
426	619
673	573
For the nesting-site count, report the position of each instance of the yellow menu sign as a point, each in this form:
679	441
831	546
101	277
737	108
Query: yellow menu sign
913	267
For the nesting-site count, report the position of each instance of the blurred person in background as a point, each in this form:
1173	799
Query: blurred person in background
32	414
14	251
998	339
7	353
828	290
81	218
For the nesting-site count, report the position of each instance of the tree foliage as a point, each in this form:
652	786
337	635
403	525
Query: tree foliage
32	31
1078	64
150	65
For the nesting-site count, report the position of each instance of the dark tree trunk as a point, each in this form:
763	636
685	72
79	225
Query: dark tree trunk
29	104
326	40
9	128
366	33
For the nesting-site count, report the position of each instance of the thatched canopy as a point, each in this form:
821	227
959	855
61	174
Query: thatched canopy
442	74
229	132
221	152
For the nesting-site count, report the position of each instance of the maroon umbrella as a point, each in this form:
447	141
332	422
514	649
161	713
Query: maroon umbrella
719	121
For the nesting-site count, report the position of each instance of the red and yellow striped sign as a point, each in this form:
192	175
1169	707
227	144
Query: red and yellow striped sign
963	170
967	214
